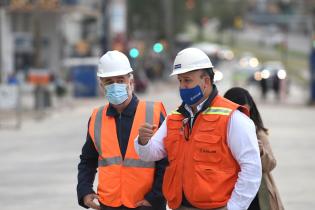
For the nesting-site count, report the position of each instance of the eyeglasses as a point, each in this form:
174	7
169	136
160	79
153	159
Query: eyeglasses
186	128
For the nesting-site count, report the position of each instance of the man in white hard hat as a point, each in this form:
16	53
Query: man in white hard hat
210	143
124	180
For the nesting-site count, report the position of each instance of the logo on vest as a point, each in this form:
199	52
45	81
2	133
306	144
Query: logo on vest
205	150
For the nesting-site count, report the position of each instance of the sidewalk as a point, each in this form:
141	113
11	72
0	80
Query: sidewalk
292	137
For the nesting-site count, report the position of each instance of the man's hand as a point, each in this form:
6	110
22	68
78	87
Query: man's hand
89	201
146	131
143	203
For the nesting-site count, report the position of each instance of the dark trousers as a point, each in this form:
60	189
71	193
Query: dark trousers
255	204
103	207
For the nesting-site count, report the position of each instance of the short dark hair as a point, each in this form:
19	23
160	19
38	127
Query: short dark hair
209	72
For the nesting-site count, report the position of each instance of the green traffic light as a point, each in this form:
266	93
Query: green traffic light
134	52
158	47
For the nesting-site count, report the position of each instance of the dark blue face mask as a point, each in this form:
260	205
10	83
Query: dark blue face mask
191	96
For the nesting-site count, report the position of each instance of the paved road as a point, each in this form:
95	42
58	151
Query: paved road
38	162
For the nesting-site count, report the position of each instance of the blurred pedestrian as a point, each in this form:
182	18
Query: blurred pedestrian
264	88
276	86
268	196
124	181
210	143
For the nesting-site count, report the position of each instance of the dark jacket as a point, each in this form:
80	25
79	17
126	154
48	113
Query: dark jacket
89	157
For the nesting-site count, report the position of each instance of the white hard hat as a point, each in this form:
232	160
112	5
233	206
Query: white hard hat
190	59
113	63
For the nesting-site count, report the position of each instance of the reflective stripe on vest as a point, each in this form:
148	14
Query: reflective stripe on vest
211	110
110	161
127	162
138	163
98	128
175	112
118	160
218	110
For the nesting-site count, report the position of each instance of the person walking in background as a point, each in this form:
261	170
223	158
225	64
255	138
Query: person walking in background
210	143
124	181
268	197
264	88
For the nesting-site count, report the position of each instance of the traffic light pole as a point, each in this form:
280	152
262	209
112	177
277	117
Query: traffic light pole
312	60
2	54
312	79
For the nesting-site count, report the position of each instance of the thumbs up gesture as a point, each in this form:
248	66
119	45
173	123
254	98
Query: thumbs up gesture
146	131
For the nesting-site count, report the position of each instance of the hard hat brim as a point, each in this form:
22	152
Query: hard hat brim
114	74
182	71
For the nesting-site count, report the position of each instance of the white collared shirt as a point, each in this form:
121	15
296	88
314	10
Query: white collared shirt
192	115
242	141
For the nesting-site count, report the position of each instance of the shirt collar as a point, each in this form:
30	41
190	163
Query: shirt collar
128	111
199	107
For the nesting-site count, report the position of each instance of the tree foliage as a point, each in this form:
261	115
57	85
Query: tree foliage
148	15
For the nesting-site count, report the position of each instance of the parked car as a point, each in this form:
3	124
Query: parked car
225	53
244	72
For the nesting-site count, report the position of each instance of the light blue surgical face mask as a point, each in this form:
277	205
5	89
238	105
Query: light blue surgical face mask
116	93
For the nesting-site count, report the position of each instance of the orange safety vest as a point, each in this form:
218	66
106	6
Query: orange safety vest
202	166
122	181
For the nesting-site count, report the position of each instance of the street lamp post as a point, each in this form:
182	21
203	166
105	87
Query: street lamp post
168	8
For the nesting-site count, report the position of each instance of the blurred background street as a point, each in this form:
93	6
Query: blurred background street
49	52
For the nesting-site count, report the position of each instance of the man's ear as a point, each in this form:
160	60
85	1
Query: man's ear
207	81
101	83
131	82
